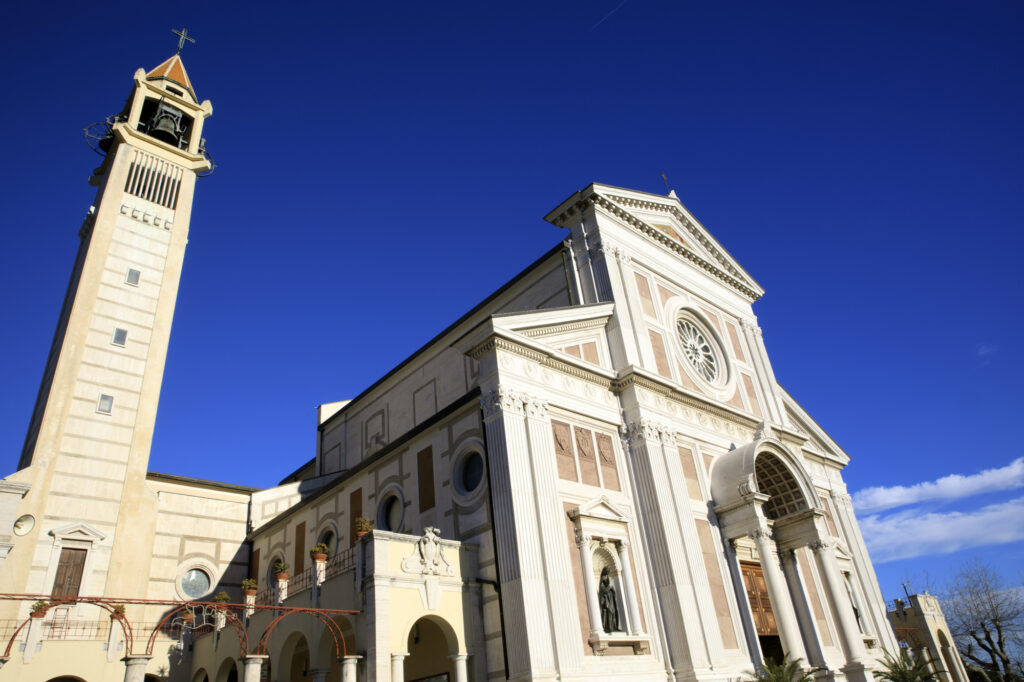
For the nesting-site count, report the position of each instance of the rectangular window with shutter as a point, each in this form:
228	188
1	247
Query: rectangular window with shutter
300	548
69	572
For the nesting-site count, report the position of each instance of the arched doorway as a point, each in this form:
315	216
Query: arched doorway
947	658
326	657
430	642
201	676
228	671
294	659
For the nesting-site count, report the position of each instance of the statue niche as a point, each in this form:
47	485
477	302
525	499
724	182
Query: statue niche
606	600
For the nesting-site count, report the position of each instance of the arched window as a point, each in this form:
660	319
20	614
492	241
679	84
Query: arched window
329	538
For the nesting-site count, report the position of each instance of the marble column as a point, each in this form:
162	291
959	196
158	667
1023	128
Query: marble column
350	668
251	666
587	563
459	663
398	667
626	570
778	593
849	633
135	668
791	569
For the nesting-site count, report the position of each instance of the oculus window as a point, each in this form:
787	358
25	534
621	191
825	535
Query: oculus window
390	515
470	473
195	583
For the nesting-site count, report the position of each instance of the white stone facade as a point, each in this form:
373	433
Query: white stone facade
591	475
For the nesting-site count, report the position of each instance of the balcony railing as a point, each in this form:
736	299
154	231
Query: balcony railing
344	560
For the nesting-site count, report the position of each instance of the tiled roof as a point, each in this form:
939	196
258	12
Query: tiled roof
174	71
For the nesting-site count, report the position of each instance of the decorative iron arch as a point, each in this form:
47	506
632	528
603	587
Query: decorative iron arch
231	617
109	606
340	648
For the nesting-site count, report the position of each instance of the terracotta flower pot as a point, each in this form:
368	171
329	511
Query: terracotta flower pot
250	593
319	557
38	614
361	533
281	576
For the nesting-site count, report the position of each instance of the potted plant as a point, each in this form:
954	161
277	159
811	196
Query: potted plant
281	570
221	597
250	587
319	552
187	616
363	526
118	612
39	608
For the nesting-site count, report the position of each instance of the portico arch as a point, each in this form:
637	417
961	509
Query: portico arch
434	649
766	505
326	655
228	671
293	659
764	467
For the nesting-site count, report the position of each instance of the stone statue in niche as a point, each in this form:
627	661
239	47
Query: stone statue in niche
606	600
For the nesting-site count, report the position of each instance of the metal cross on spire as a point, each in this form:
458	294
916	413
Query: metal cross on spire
182	37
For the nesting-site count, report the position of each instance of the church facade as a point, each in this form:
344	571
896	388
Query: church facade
593	474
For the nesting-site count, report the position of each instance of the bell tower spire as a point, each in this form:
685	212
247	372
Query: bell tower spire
87	449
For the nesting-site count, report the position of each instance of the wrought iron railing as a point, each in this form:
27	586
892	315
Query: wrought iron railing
302	581
341	562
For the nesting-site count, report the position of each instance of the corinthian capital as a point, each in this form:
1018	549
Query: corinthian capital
502	400
821	546
536	408
648	429
751	326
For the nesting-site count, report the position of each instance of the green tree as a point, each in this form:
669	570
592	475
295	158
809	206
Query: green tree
906	668
785	671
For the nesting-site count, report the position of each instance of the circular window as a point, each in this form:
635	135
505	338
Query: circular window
195	583
698	349
471	472
390	516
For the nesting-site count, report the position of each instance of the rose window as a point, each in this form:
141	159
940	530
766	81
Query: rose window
697	350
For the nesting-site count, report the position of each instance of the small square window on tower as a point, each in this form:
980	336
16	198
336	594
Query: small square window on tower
120	336
132	277
105	404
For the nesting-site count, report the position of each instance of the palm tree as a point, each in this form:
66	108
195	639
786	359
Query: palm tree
786	671
907	668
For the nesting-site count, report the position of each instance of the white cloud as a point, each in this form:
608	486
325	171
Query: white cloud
909	533
950	487
984	349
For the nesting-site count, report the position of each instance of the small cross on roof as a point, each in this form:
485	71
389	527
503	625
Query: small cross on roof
182	37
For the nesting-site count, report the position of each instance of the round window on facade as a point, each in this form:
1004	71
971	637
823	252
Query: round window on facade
195	583
700	349
470	473
390	515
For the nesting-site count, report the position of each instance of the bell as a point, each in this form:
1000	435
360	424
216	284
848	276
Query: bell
165	129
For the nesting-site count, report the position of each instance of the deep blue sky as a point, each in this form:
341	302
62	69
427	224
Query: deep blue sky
383	167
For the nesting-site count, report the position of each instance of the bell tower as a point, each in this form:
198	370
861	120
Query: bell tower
84	462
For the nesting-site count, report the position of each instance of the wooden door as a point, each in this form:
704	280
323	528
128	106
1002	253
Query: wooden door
757	597
69	572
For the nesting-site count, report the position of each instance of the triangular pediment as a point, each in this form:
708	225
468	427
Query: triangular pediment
600	508
78	531
818	441
662	219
